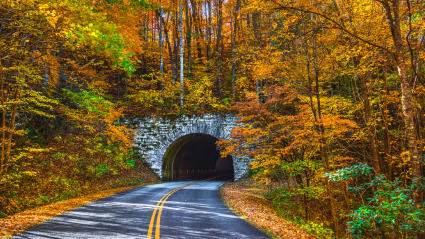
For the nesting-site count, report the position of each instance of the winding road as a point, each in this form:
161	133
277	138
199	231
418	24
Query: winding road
183	209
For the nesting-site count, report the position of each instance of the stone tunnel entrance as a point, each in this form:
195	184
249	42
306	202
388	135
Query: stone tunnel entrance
195	156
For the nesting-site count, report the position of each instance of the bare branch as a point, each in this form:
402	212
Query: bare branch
335	23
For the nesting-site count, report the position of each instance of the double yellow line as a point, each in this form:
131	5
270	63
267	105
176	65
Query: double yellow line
158	208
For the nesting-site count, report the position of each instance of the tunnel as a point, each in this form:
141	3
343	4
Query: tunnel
196	156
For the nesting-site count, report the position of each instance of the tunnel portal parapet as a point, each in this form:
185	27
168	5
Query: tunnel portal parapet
155	134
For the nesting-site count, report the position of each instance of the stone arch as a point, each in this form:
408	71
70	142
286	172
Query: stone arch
155	134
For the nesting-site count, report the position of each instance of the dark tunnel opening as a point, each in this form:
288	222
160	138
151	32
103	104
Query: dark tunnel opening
196	156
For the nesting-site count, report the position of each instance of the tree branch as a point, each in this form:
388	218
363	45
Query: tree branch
334	22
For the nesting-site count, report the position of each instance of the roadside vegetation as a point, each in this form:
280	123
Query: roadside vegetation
247	199
20	222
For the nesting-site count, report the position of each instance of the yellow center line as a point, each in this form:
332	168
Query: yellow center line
158	219
149	236
159	207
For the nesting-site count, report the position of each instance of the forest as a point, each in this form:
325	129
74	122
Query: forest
330	97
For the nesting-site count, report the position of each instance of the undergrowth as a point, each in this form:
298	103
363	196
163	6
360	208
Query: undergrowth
286	207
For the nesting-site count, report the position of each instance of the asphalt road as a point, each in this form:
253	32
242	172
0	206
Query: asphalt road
187	209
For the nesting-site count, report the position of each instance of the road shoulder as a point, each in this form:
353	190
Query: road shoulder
246	199
20	222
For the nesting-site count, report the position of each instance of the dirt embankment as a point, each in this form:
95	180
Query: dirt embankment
17	223
245	197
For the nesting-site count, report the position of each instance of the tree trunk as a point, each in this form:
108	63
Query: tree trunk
170	51
209	30
196	22
146	28
181	53
3	104
393	17
11	128
255	27
188	38
234	29
370	125
176	37
387	139
323	148
218	41
256	21
317	116
161	46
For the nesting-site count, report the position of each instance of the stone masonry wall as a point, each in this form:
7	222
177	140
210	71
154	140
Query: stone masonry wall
154	134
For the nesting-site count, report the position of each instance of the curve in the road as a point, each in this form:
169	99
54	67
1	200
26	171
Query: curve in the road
193	211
